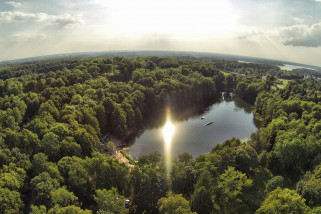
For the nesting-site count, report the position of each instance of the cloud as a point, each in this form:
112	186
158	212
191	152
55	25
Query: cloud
301	35
157	41
13	3
16	16
298	35
23	37
249	34
298	20
67	21
60	21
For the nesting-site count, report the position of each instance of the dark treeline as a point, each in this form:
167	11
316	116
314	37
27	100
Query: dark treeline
244	67
307	72
53	114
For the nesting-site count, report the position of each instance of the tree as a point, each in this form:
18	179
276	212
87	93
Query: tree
15	158
246	158
273	183
149	182
63	197
110	200
230	189
118	121
183	178
111	147
219	81
39	163
289	150
201	201
40	124
51	145
61	130
316	210
12	177
150	65
12	124
107	172
185	158
310	187
10	201
230	82
30	142
38	210
138	117
68	210
70	148
49	107
12	138
87	141
90	119
283	201
130	115
152	159
78	180
102	118
126	67
174	204
42	186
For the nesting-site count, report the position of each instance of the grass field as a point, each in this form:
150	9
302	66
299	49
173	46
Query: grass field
225	74
284	83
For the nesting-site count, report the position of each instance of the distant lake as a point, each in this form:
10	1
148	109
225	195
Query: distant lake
232	118
291	67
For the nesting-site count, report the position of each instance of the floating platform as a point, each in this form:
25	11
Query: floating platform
210	123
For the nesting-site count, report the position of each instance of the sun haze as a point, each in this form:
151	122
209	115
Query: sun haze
278	29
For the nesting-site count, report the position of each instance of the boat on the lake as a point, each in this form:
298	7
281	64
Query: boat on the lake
202	118
207	124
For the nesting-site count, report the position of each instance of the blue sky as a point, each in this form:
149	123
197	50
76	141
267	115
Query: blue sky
277	29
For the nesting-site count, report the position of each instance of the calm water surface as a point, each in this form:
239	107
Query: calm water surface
291	67
232	118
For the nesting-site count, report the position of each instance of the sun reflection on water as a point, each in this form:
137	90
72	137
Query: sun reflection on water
168	132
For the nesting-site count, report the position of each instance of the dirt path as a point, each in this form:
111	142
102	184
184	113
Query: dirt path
122	159
118	155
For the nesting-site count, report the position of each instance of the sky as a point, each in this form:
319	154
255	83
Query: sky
287	30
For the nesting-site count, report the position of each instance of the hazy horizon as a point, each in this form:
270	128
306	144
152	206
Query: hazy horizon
281	30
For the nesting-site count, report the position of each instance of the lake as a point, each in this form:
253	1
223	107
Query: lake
232	118
292	67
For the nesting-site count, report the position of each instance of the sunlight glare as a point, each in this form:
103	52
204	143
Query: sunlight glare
168	131
180	18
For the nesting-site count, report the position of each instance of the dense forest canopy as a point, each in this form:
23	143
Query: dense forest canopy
53	115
